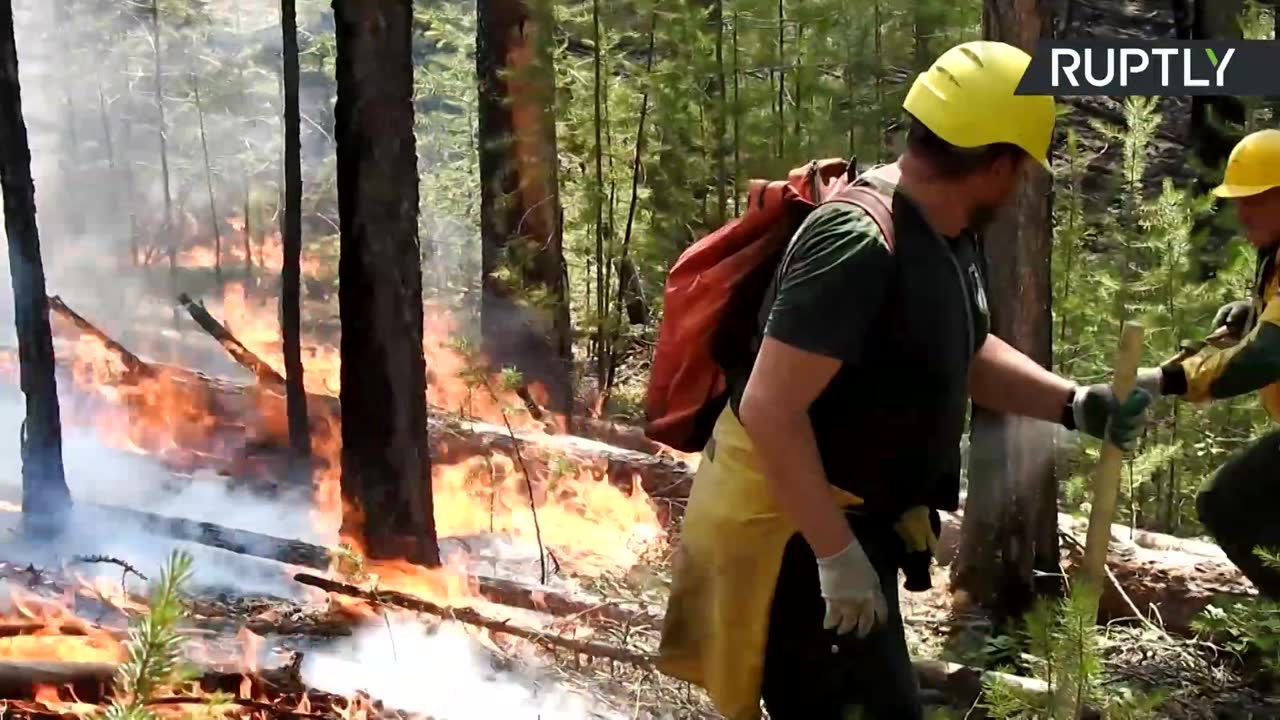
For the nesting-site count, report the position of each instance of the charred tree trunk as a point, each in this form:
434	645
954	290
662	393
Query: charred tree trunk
520	214
45	497
1010	520
291	274
386	468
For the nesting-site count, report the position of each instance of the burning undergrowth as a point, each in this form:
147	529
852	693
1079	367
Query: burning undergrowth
174	443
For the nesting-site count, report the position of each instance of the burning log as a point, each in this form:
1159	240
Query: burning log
452	439
541	599
242	542
241	354
133	364
470	616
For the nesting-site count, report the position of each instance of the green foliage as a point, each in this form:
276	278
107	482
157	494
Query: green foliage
154	646
1062	640
1133	253
1250	627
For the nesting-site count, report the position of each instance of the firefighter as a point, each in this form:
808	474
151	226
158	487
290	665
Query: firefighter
841	438
1235	503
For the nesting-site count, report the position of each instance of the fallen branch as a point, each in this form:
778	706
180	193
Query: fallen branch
133	364
964	685
1181	583
471	616
242	542
25	673
514	594
90	559
241	354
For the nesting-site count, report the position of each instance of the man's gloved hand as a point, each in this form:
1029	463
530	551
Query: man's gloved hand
1151	380
1235	316
851	587
1098	414
915	527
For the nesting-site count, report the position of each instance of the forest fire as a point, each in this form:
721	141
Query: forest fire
38	629
590	524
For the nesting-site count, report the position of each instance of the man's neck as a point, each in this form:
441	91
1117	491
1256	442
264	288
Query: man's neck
937	199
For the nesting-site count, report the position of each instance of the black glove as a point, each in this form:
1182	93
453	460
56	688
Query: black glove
1235	316
1095	412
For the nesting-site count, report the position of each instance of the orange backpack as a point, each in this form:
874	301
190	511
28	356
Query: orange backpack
715	290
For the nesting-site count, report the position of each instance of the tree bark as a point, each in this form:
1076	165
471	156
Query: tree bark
524	309
386	468
291	273
45	497
1010	521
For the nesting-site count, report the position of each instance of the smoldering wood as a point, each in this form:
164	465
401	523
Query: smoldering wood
241	354
45	496
470	616
241	542
18	676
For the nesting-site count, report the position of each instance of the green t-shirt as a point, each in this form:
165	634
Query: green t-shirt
905	323
831	284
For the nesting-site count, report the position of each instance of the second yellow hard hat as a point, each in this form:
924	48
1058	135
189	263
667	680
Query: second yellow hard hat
1254	166
967	98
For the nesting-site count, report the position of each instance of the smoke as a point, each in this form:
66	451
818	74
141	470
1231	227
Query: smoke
441	672
97	474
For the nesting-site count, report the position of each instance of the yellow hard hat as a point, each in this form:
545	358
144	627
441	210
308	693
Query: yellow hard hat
1254	166
967	98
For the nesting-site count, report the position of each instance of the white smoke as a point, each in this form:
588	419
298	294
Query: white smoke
441	672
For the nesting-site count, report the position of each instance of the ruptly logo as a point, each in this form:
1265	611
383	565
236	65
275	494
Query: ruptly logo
1168	67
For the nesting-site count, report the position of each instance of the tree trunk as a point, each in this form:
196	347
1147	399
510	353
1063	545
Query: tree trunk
1010	520
1210	133
291	273
737	117
161	132
524	309
598	199
208	179
45	497
722	112
624	290
782	81
386	470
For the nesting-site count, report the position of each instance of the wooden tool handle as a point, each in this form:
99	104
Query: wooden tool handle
1106	484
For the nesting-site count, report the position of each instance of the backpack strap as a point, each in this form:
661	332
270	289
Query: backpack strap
876	203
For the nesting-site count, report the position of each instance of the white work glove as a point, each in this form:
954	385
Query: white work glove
851	587
1151	380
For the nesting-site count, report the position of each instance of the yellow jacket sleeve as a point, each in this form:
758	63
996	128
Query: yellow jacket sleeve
1250	365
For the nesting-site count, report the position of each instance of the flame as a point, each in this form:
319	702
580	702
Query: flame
587	522
251	649
52	632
